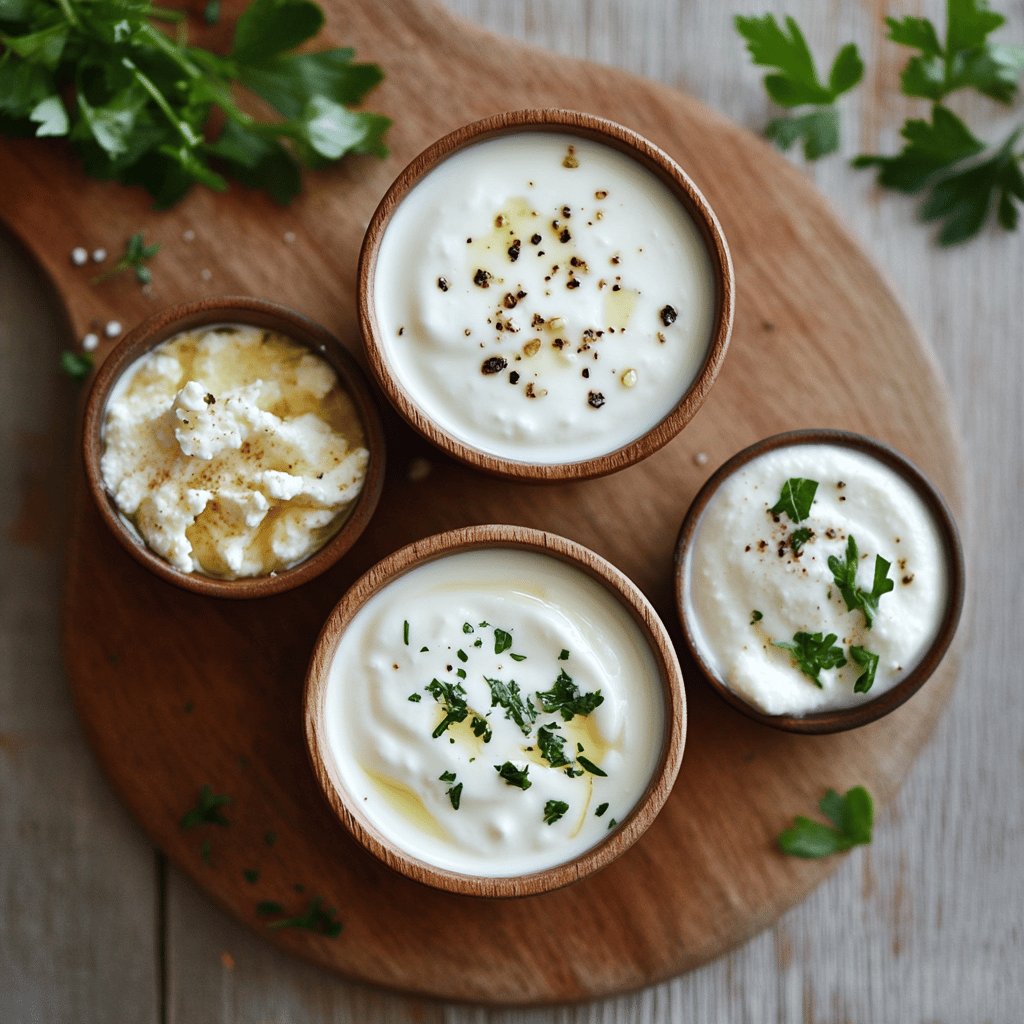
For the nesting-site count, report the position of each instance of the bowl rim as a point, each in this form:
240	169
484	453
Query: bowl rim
249	311
655	160
840	719
497	536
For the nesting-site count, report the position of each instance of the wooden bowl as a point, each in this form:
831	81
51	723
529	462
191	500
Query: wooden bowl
438	546
649	156
256	312
872	709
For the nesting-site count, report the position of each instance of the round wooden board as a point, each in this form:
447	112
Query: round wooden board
177	691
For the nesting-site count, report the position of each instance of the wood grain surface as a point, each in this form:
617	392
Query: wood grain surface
923	926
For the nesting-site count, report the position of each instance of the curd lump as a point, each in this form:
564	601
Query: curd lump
543	298
494	712
232	451
750	584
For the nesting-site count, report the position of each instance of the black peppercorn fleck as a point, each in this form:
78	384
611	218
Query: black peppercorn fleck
668	315
495	364
536	240
513	377
564	236
482	279
442	284
513	250
595	399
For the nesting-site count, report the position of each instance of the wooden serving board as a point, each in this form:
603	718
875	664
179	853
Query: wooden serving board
177	691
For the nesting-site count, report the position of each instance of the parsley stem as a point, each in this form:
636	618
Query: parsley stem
191	139
69	11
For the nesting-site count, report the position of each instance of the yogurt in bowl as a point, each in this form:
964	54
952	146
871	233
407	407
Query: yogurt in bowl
819	580
495	711
545	295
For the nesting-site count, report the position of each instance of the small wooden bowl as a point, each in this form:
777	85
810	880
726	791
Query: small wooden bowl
438	546
617	137
256	312
861	714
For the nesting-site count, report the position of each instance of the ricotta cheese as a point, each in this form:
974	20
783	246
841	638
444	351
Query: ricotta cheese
232	451
543	298
494	712
754	579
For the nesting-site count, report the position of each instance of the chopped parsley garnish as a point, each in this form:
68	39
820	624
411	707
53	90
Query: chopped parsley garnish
461	673
268	908
612	824
812	652
478	642
502	641
517	708
868	661
451	697
552	745
462	656
845	573
481	727
415	697
565	697
518	657
454	793
601	808
585	762
852	817
795	82
564	656
796	499
554	810
798	538
315	919
424	650
756	616
207	810
467	628
77	365
514	776
405	632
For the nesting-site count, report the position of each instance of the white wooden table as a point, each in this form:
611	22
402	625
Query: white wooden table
923	926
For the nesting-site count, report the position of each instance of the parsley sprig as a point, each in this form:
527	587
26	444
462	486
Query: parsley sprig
136	255
813	652
207	809
141	99
795	83
566	698
845	574
852	817
868	661
795	499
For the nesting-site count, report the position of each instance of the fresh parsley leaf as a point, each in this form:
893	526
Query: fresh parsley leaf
796	499
845	575
206	811
502	641
452	698
586	763
514	776
798	538
813	652
314	919
867	661
966	60
77	365
552	745
518	708
481	727
795	82
852	817
938	158
565	697
756	616
140	101
554	810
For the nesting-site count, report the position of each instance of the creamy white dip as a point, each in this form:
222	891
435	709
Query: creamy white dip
543	298
492	623
746	588
232	451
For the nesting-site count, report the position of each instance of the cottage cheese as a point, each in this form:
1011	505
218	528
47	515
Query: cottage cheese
543	298
748	585
507	788
232	451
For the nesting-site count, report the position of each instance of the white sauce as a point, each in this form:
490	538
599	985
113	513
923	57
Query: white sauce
382	742
734	568
232	451
582	363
